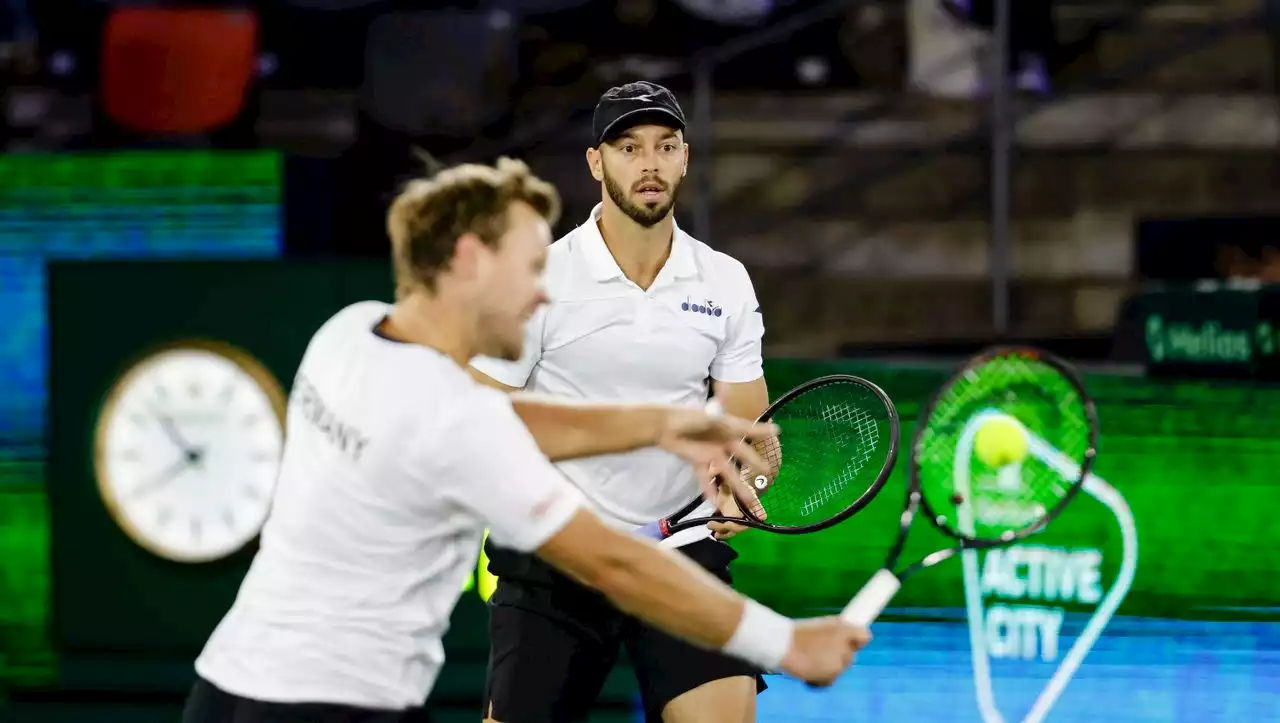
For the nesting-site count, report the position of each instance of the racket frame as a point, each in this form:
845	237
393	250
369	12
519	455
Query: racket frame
667	526
875	595
1086	464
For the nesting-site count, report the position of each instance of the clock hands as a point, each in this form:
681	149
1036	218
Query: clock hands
187	447
167	475
190	453
191	457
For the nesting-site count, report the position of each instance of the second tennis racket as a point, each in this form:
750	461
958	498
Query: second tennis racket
837	445
979	463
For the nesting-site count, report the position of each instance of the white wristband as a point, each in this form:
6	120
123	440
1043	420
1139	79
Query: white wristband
763	637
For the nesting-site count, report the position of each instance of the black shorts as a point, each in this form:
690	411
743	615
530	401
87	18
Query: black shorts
553	643
208	703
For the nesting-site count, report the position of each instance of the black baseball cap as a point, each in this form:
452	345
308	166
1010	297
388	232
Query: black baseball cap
633	104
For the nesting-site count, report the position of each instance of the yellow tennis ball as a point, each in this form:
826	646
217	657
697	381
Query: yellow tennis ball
1001	440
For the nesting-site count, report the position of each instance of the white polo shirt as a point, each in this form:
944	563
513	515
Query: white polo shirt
603	338
394	464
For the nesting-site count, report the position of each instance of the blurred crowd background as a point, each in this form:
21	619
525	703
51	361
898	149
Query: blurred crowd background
907	181
844	150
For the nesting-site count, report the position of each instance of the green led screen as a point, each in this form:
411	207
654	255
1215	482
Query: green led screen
143	203
118	205
1196	462
1154	597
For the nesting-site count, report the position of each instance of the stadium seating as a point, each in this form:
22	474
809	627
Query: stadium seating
177	70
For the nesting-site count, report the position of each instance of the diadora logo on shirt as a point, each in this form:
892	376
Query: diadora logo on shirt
706	307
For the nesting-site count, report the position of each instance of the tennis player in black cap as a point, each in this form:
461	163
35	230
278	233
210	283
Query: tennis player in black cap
639	310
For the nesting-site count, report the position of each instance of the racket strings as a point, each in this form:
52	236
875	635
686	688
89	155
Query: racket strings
979	501
832	436
845	425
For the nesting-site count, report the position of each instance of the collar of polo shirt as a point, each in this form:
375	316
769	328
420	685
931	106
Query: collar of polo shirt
603	267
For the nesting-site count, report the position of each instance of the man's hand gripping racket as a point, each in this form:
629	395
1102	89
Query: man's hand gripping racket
840	435
975	470
710	440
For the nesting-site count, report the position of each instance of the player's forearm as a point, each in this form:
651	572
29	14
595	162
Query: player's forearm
668	591
568	431
747	400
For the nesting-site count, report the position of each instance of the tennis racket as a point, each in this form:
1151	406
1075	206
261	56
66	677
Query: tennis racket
840	437
978	467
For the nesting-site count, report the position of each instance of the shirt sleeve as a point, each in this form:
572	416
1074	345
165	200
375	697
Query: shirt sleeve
516	374
494	469
740	357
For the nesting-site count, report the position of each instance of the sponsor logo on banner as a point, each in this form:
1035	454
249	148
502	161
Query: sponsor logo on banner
1036	609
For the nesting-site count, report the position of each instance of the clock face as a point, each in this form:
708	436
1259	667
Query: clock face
187	450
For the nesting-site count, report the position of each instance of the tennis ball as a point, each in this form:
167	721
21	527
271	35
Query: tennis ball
1001	440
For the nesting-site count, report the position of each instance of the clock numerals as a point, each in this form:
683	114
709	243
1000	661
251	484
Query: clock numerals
188	444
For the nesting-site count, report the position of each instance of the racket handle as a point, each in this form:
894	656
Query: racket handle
872	599
659	530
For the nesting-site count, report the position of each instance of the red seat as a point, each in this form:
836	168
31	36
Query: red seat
174	71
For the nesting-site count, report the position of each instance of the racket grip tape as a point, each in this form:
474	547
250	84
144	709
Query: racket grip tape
659	530
872	599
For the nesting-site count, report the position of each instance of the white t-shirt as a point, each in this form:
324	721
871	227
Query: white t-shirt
603	338
394	464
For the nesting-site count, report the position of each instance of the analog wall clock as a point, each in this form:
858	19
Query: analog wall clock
187	448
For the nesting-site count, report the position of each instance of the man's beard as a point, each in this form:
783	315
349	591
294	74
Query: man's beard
646	215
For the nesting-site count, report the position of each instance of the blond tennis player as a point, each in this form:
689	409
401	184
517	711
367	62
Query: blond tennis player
396	461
